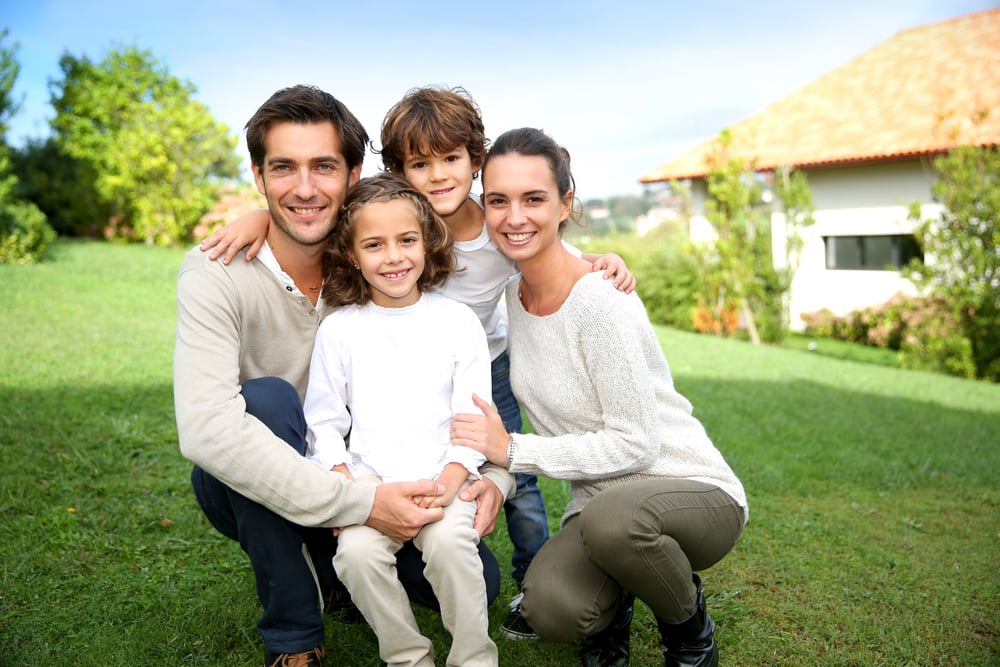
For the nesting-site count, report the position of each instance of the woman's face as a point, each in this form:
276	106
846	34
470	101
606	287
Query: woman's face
522	204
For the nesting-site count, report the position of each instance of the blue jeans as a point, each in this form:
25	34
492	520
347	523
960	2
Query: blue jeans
527	522
291	621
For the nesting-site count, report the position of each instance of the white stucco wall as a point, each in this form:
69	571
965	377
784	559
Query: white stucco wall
854	201
848	201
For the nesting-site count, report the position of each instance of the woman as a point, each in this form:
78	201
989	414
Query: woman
652	499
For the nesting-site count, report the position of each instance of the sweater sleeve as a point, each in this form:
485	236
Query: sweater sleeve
616	429
214	430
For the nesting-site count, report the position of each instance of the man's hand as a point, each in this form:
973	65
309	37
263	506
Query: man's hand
396	515
488	499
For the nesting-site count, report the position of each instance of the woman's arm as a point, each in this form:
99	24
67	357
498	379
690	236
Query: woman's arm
247	231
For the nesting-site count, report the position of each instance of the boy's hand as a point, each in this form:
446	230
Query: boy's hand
614	266
250	229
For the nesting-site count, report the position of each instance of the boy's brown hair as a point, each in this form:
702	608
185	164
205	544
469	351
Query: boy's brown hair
430	121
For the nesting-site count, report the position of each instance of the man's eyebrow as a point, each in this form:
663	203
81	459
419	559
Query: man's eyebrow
278	159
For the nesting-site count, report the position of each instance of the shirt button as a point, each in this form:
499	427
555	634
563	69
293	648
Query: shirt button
288	287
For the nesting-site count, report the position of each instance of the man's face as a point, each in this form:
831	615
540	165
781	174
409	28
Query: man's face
305	179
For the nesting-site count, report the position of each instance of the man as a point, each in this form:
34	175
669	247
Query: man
244	339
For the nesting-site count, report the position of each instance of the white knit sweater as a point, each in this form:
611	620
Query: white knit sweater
597	389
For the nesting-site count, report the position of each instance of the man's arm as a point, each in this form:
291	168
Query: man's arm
215	431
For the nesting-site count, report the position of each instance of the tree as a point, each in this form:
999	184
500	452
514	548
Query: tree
63	187
24	232
962	249
740	283
156	152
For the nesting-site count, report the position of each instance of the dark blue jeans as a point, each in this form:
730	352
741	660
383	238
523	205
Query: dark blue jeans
527	522
291	620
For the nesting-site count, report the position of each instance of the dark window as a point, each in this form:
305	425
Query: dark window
871	253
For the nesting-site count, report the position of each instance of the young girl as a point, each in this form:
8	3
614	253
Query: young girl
391	366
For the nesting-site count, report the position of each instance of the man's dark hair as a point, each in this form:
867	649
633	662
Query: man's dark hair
307	104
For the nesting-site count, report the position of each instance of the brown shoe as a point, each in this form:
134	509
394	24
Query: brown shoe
311	658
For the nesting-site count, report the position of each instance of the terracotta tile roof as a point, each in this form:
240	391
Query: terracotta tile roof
914	94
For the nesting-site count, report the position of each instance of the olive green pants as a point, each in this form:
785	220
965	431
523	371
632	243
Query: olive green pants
645	538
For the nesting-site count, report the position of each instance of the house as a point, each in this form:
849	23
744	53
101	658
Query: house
866	135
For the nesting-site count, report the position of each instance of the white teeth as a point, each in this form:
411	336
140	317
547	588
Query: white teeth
304	211
524	236
392	276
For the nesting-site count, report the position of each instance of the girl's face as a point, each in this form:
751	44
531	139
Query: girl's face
388	246
523	206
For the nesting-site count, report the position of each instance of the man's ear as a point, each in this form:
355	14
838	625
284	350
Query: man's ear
258	177
355	175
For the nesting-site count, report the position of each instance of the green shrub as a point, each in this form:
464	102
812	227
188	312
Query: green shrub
925	331
24	233
665	271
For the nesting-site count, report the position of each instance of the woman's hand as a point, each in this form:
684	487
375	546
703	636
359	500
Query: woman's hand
250	229
614	267
484	433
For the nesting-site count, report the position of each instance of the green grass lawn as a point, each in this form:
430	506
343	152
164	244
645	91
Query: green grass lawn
874	534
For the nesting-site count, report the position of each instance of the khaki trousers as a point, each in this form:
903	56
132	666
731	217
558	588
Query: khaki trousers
365	562
645	538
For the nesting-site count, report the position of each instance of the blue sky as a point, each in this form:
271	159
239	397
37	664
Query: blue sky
624	85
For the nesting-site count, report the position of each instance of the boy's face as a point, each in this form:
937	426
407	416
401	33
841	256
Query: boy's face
445	178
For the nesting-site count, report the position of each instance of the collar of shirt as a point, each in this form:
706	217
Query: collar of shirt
267	258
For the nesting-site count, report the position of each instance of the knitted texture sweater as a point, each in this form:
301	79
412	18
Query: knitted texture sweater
596	387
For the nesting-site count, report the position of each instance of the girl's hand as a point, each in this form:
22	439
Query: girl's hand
342	469
484	433
443	500
614	266
451	479
250	229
